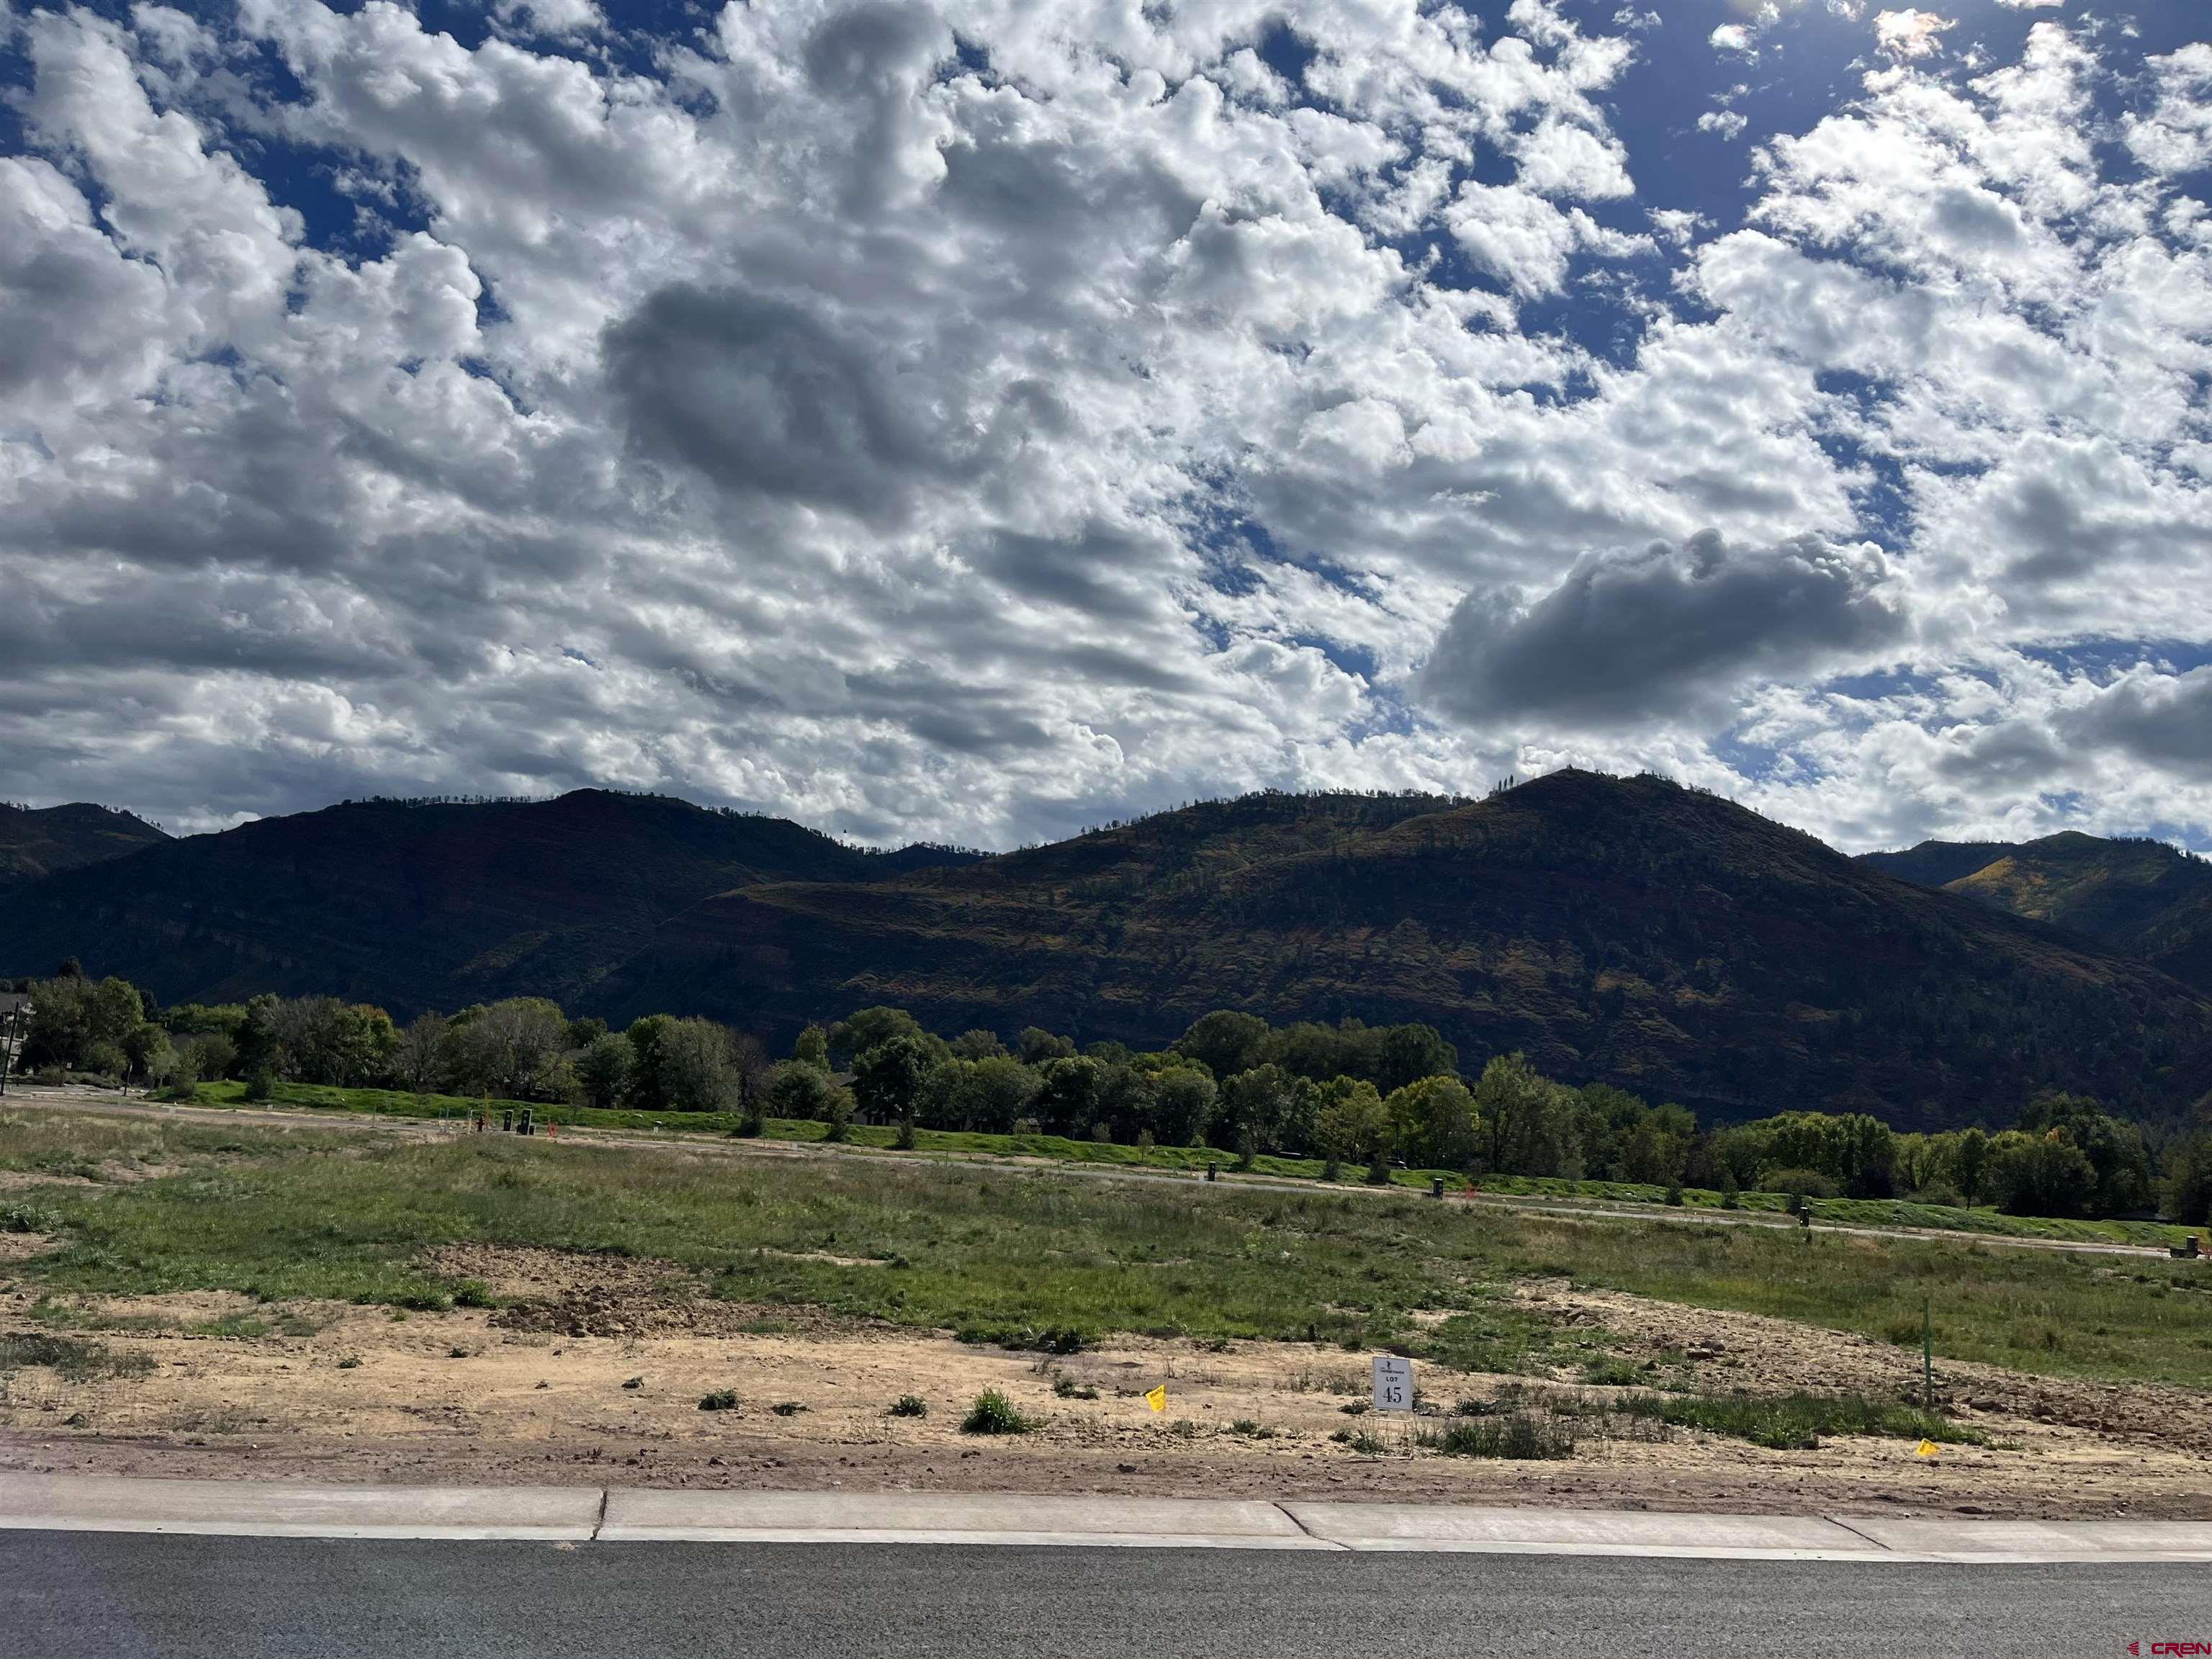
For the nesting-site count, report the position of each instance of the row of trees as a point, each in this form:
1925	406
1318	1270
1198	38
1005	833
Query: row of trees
1348	1093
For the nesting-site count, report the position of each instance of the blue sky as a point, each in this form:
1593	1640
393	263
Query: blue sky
972	422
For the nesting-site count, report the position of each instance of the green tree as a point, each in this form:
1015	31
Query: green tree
2043	1174
812	1047
648	1091
887	1080
2115	1148
799	1091
1433	1123
603	1069
2189	1181
1224	1041
1038	1045
699	1068
1067	1101
1528	1121
872	1028
1183	1099
418	1056
1352	1125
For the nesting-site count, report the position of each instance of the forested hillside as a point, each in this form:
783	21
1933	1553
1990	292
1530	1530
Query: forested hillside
37	842
1624	931
417	904
2142	897
1617	930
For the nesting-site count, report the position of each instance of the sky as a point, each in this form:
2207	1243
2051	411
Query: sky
974	422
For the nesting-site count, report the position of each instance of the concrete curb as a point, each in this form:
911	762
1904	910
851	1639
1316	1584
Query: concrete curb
84	1503
590	1514
949	1518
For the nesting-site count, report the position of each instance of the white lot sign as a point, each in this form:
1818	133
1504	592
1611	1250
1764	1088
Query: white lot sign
1394	1384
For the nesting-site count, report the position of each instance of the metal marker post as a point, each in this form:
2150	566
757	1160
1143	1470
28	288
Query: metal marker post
1927	1353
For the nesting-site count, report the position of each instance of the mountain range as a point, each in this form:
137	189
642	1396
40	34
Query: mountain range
1621	929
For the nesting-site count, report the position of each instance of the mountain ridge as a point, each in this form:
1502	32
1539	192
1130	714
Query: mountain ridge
36	842
1618	930
2140	897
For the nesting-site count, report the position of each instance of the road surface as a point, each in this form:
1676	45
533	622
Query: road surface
87	1596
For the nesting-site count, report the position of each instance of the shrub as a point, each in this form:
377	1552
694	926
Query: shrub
25	1218
909	1405
1675	1194
77	1361
261	1084
994	1413
1067	1387
1798	1183
1516	1435
722	1400
786	1408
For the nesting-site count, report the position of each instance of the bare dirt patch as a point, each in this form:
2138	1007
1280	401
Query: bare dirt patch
597	1372
21	1247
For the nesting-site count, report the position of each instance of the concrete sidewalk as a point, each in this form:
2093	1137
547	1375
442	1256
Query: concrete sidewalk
579	1515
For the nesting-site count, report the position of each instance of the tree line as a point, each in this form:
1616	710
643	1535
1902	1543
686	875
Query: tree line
1349	1094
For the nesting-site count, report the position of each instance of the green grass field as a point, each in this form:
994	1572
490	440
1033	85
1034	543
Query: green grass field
1019	1254
1843	1212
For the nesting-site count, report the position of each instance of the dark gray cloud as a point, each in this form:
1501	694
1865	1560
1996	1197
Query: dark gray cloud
762	395
2162	720
1628	637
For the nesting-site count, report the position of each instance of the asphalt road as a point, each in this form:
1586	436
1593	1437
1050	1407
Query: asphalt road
134	1596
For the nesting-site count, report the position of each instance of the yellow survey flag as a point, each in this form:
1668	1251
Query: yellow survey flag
1929	1448
1158	1399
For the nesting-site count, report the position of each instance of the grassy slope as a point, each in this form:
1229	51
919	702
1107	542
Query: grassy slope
1843	1211
1008	1254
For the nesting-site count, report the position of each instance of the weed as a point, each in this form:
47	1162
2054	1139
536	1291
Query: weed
909	1405
786	1408
1797	1422
1611	1370
1354	1407
1067	1387
1521	1435
457	1354
350	1363
75	1359
994	1413
1251	1430
722	1400
634	1383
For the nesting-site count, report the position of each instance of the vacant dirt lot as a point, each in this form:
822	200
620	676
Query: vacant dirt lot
596	1366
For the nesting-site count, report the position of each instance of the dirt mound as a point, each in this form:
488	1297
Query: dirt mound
576	1293
1751	1353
